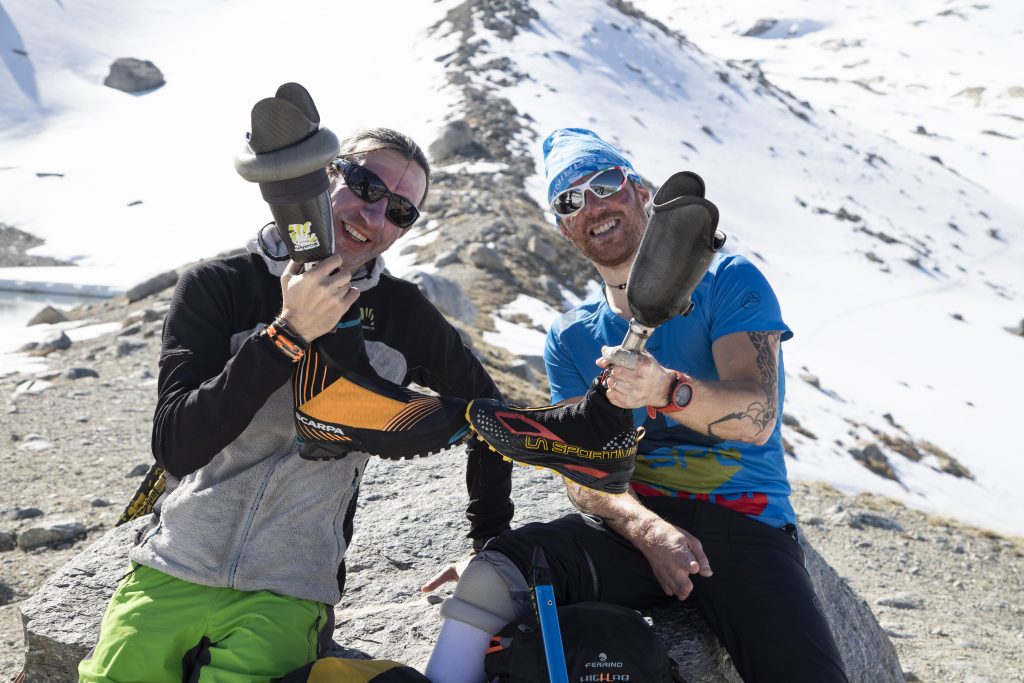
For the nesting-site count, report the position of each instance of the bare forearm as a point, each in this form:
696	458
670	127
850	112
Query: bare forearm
623	513
741	405
739	411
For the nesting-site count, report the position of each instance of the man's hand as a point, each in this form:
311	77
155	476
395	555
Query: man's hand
450	573
647	384
673	555
316	299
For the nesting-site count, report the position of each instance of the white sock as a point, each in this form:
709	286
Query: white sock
458	655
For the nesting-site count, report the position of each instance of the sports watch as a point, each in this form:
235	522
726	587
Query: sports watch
679	395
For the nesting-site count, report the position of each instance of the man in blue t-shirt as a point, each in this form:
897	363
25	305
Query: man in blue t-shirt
708	392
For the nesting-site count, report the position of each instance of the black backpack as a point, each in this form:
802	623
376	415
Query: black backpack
602	642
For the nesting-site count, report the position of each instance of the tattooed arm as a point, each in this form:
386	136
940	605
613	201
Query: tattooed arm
743	405
673	553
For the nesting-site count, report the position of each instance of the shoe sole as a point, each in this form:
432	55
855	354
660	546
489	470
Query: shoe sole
321	447
614	488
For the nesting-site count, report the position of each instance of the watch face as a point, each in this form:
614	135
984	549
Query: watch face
681	394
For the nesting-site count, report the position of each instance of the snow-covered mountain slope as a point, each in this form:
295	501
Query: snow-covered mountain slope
898	273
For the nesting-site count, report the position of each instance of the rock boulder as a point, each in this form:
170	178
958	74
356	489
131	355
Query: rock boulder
62	620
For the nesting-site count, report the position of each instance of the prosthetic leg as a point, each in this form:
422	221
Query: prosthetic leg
341	403
593	442
678	244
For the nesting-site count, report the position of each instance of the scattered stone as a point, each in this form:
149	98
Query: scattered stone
945	462
18	514
811	379
992	603
133	75
956	316
902	446
48	316
760	27
8	540
157	283
434	599
35	445
139	470
32	386
79	373
872	457
99	503
127	330
55	340
126	347
901	601
1019	330
144	315
485	257
50	533
457	141
447	258
6	594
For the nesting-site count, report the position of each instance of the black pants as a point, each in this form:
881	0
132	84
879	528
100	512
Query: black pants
759	602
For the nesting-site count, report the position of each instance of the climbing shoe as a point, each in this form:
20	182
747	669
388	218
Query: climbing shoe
592	443
343	405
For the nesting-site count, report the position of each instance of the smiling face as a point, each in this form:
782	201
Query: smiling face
361	231
608	231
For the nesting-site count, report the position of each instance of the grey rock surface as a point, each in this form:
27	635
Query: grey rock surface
446	294
79	373
48	315
131	75
400	541
485	257
457	141
153	285
57	531
54	340
62	619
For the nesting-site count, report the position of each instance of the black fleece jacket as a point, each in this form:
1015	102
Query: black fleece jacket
207	396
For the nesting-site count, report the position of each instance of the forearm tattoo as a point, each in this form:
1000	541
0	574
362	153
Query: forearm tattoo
762	414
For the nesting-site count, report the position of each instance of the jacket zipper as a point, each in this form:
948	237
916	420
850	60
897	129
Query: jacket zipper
248	525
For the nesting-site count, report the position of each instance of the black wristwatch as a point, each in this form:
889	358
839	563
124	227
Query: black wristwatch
679	396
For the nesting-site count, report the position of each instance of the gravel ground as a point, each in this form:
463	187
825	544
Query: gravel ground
950	596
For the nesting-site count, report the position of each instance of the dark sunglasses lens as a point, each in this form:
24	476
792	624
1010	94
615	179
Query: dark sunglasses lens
607	182
568	202
364	183
401	212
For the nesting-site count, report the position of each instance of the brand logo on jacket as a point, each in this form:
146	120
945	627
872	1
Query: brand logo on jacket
368	318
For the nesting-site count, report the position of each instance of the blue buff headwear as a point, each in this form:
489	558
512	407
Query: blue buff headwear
572	153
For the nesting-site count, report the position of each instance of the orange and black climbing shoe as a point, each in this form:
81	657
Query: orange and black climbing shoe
593	442
342	405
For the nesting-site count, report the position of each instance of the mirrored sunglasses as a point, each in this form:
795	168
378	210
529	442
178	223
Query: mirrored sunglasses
369	187
604	184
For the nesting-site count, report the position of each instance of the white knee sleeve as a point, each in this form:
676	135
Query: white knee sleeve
490	593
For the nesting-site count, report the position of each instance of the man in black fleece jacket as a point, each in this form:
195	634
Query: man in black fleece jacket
237	575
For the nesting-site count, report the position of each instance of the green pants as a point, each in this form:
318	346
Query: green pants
158	628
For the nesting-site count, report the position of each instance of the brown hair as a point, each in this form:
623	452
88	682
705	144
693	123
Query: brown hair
382	138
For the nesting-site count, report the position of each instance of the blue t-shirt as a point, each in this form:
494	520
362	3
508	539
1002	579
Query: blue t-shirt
674	460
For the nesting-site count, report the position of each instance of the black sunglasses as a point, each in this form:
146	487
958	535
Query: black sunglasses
368	186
